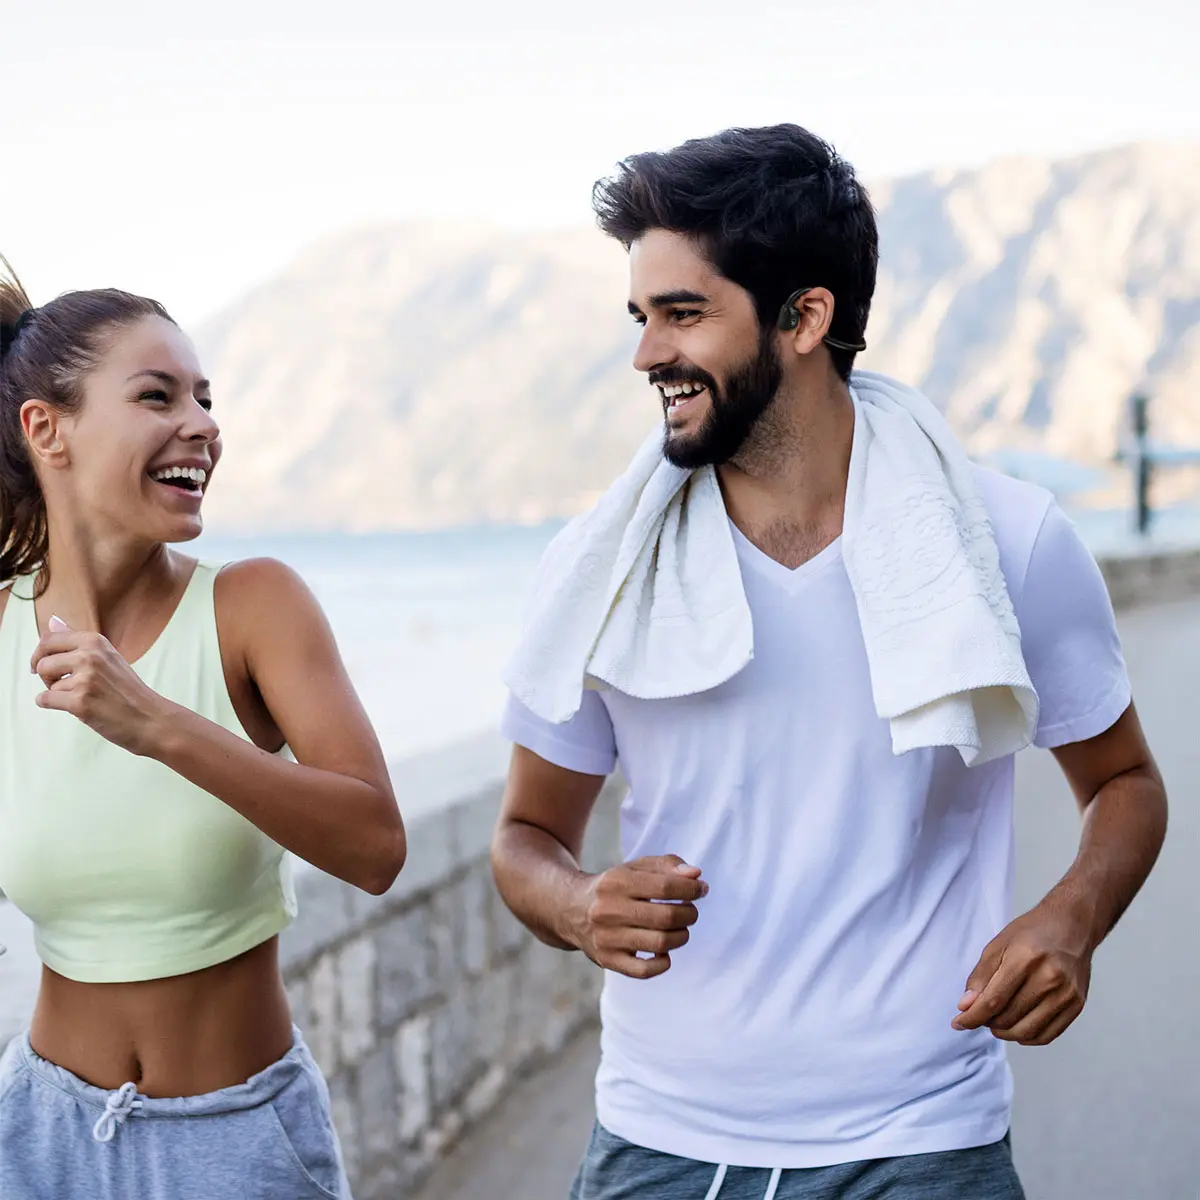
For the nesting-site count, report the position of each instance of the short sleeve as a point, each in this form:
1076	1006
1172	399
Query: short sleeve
586	743
1069	638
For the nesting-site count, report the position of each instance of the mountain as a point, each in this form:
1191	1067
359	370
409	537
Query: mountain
419	375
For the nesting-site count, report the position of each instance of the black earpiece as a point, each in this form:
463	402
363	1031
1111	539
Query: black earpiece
789	314
789	319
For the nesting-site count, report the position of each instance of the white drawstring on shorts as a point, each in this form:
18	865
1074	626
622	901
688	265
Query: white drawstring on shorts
120	1105
719	1180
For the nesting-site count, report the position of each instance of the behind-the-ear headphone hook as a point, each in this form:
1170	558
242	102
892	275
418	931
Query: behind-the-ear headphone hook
789	319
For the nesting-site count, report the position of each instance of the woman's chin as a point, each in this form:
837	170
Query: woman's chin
183	531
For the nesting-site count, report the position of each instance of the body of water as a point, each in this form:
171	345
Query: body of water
425	621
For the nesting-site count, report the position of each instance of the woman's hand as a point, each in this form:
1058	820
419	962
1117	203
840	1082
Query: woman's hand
85	676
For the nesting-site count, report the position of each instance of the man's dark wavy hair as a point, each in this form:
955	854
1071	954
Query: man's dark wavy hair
773	209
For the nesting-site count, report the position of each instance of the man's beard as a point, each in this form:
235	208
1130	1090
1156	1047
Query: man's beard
734	409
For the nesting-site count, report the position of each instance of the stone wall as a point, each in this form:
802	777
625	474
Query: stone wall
1151	576
423	1005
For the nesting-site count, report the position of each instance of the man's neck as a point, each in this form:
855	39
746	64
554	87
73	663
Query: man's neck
786	488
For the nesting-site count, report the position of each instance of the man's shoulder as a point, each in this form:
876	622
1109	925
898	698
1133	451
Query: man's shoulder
1012	502
1017	510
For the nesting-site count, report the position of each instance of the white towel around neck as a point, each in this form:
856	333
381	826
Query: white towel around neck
644	592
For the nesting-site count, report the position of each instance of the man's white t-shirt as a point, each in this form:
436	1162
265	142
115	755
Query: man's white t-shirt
807	1021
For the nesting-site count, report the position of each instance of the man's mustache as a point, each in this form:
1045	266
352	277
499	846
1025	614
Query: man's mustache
669	375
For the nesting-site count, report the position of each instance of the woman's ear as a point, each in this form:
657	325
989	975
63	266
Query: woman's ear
41	425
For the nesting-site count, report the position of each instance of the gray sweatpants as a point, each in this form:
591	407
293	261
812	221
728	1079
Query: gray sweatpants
270	1138
615	1169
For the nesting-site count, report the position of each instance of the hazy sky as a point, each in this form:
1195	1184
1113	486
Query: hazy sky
187	150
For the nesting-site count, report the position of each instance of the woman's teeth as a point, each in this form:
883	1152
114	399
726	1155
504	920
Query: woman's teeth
677	393
189	475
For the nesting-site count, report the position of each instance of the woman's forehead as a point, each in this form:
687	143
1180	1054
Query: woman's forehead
154	344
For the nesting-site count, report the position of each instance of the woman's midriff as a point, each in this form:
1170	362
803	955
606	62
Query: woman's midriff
182	1036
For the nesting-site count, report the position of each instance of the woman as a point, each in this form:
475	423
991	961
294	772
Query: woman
168	728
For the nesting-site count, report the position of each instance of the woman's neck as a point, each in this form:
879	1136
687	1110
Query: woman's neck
96	582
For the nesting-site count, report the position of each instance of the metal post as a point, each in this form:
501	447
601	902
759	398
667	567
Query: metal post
1142	464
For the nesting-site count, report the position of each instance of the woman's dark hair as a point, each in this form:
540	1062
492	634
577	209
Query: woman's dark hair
45	353
773	209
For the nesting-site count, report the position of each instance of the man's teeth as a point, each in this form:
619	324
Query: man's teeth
195	474
676	393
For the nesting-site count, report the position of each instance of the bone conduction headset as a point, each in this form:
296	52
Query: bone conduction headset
789	318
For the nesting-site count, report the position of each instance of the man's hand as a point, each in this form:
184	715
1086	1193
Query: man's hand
1032	979
622	912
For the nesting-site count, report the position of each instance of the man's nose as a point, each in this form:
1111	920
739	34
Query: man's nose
653	350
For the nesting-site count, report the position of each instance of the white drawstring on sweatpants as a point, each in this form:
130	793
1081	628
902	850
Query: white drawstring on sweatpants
119	1106
719	1180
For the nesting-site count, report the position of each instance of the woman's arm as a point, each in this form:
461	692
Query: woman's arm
334	806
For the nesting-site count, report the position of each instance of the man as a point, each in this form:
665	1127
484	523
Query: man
810	980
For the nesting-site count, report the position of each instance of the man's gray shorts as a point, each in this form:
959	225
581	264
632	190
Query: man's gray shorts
270	1138
615	1169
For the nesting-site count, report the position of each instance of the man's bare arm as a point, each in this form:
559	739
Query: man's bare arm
611	916
1032	979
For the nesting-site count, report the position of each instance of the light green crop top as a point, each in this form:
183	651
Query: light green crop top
126	869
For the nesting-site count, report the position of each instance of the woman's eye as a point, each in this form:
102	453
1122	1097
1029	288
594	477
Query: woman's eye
159	396
205	402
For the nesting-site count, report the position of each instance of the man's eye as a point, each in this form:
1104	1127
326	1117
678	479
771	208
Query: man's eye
639	319
685	314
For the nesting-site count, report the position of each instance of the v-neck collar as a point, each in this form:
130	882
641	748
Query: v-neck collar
790	578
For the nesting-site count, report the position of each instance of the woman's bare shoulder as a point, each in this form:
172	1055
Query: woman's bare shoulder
263	599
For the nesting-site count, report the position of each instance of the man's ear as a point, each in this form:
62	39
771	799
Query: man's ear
806	318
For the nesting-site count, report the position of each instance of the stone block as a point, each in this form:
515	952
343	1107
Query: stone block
298	1001
411	1049
343	1102
474	822
322	918
560	1019
545	968
366	909
438	779
547	1003
591	984
378	1124
454	1053
442	1136
484	1093
473	894
432	858
492	1009
323	1014
406	964
447	910
506	935
356	996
